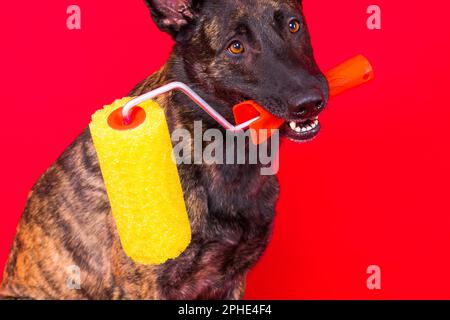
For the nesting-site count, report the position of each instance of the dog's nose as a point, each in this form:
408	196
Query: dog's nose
307	106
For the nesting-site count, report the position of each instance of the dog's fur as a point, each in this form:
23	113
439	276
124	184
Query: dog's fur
67	220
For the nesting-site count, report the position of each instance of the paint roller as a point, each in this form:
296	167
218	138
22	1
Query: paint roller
142	181
134	149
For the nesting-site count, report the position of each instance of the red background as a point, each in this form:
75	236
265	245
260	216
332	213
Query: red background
371	189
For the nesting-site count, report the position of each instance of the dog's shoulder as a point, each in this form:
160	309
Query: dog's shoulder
155	80
66	216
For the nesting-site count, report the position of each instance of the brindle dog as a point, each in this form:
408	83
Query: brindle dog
228	51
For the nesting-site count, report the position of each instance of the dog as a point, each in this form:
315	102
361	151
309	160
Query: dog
228	51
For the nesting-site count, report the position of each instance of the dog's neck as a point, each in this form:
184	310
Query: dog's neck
181	112
176	70
179	105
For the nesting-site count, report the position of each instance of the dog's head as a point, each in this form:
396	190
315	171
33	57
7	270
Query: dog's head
256	50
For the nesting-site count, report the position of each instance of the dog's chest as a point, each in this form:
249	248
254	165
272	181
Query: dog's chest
231	224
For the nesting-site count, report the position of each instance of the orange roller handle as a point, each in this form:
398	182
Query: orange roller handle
350	74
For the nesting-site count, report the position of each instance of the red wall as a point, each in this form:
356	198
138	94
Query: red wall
371	189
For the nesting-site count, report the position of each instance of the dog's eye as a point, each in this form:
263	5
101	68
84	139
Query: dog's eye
236	47
294	26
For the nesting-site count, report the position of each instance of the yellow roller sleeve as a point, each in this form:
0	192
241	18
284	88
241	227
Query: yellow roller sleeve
142	182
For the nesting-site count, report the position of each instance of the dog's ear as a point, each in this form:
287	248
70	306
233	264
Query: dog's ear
171	16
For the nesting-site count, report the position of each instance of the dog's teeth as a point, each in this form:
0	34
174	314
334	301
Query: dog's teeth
293	125
305	127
